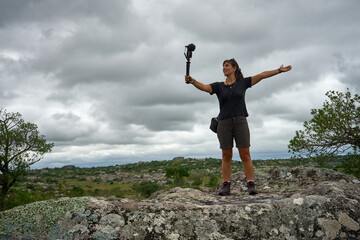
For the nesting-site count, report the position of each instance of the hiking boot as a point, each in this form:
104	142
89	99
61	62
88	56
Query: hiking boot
251	188
225	189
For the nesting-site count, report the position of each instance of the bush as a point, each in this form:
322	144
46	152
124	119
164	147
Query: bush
146	188
77	192
30	186
196	178
351	165
51	180
97	180
177	172
18	197
213	182
97	192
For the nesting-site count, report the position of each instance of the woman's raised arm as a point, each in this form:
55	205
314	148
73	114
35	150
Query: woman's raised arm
198	85
257	78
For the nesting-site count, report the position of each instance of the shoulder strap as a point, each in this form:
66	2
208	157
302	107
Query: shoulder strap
236	82
233	89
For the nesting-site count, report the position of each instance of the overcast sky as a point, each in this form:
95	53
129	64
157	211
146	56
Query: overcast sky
104	80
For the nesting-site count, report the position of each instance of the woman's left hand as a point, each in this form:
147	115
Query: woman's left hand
285	69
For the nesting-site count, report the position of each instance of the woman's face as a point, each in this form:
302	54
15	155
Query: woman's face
228	69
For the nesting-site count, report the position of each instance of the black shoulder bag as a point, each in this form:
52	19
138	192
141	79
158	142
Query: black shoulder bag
215	120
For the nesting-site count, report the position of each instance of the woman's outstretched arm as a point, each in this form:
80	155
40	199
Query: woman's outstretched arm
257	78
198	85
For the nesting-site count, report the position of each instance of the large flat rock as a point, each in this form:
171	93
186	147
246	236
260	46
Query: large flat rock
293	203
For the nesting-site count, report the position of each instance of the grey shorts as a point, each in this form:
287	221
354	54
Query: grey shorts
233	128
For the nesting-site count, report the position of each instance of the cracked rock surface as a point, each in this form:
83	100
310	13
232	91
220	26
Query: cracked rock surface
293	203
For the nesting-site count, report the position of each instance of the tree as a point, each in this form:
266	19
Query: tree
333	130
21	145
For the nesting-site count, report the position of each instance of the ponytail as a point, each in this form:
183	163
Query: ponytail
238	73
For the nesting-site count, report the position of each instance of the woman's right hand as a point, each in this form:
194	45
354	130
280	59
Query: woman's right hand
189	79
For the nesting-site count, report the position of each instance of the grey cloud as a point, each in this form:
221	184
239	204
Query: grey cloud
64	97
158	117
72	65
92	51
66	116
12	76
17	11
350	69
67	127
6	97
220	22
162	118
169	94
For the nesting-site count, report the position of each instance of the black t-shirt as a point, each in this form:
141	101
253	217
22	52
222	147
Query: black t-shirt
236	105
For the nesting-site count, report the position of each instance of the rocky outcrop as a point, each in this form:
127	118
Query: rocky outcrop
293	203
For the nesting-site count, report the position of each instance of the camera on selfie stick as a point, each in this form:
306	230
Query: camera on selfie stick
188	55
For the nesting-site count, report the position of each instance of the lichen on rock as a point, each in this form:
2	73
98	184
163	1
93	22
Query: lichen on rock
37	219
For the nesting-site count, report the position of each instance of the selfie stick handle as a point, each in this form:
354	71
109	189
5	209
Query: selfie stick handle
188	68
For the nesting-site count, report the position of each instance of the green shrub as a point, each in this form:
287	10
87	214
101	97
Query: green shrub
177	172
18	197
51	180
30	186
97	180
97	192
77	191
196	178
213	181
351	165
146	188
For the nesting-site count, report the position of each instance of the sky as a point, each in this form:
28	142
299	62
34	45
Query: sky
104	80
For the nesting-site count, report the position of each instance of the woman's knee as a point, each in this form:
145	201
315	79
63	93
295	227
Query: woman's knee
244	154
227	154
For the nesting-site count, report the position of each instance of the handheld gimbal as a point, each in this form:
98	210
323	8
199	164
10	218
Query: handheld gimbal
188	55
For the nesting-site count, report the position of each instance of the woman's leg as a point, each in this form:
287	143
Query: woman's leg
246	160
226	163
248	169
226	171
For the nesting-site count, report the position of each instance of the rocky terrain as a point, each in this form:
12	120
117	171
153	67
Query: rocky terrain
293	203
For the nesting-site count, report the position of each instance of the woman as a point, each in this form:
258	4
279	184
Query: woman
232	117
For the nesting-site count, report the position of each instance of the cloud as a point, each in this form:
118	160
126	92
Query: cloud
105	80
40	11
